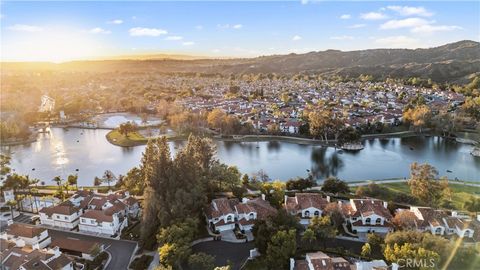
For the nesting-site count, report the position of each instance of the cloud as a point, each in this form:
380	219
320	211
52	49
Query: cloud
149	32
404	23
428	29
228	26
116	21
188	43
345	16
199	27
373	16
174	38
398	42
296	38
358	25
98	30
342	38
411	11
418	25
25	28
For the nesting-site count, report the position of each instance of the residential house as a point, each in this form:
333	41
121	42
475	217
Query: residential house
81	248
367	215
306	206
252	209
220	214
21	258
26	235
320	261
65	215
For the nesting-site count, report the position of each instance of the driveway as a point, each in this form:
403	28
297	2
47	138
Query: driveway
223	252
120	250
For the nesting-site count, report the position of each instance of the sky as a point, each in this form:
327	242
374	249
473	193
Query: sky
60	30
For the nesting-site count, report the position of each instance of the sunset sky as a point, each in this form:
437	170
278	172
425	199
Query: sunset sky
61	31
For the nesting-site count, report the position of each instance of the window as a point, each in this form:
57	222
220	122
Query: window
367	221
58	216
438	230
307	213
84	221
378	221
92	221
66	218
229	218
316	213
251	216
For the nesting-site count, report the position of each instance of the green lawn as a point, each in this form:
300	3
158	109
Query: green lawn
133	138
461	193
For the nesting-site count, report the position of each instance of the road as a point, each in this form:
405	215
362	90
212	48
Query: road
120	250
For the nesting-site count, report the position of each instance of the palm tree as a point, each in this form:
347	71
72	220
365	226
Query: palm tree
35	191
11	204
108	177
58	180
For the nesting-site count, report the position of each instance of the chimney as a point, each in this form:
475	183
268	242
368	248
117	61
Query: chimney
244	200
385	204
263	196
328	198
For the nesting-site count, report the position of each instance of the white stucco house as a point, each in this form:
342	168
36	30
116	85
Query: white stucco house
26	235
367	215
306	206
64	215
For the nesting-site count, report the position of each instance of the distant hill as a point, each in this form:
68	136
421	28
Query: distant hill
453	62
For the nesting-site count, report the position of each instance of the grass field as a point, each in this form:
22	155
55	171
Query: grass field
461	193
133	139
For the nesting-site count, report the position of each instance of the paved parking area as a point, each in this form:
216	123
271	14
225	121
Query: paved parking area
223	252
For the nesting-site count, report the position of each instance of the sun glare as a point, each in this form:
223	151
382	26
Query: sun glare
52	45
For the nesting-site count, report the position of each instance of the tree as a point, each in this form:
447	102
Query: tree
126	128
59	181
418	116
319	122
372	190
73	180
472	205
245	179
274	192
4	165
300	184
405	220
323	228
134	181
375	240
108	177
335	186
281	249
397	253
334	211
423	184
216	118
175	242
309	237
11	204
201	261
366	250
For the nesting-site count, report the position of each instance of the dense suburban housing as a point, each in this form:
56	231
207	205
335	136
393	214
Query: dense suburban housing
92	212
14	257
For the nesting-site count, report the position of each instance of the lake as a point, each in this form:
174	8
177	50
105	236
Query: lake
63	151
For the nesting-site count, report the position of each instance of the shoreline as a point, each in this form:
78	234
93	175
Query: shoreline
286	138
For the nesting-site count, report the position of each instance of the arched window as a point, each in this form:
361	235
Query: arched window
307	213
316	213
251	216
438	231
229	218
378	221
367	221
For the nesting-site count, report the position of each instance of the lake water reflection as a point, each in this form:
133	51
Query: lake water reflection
63	151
